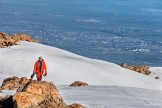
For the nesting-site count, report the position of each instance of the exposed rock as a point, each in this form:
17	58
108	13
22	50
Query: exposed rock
39	94
10	83
23	81
3	35
6	41
157	77
14	82
139	69
76	105
22	37
1	101
7	102
79	84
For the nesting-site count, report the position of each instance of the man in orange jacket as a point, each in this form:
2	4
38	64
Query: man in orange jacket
39	69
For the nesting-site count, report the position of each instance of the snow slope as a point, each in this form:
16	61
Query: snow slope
156	72
112	97
65	67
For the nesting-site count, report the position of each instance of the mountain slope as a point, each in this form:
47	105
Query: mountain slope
65	67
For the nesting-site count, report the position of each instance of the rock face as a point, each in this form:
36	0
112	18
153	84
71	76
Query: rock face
14	82
139	69
76	105
7	102
34	94
22	37
39	94
6	41
78	84
1	101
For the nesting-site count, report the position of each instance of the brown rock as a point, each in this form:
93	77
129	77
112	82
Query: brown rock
79	84
3	35
139	69
1	44
23	81
22	37
9	83
76	105
39	94
14	82
5	40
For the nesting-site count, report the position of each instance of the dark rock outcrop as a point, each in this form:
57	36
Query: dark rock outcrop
1	101
78	84
139	69
76	105
7	102
157	77
14	82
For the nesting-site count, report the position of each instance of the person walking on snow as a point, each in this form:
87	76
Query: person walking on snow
40	69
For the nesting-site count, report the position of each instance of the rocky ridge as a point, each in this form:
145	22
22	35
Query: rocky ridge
6	40
139	69
32	94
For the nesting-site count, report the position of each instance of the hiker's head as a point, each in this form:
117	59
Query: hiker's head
40	58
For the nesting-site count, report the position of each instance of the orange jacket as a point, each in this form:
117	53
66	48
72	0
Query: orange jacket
39	70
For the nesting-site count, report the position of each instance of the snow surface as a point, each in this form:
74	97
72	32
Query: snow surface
112	97
65	67
111	86
156	72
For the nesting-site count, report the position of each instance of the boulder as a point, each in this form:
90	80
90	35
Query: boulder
78	84
139	69
38	94
14	82
76	105
10	83
22	37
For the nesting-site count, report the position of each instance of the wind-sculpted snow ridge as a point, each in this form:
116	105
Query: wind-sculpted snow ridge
65	67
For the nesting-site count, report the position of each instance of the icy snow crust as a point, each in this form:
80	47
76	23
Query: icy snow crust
112	97
65	67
